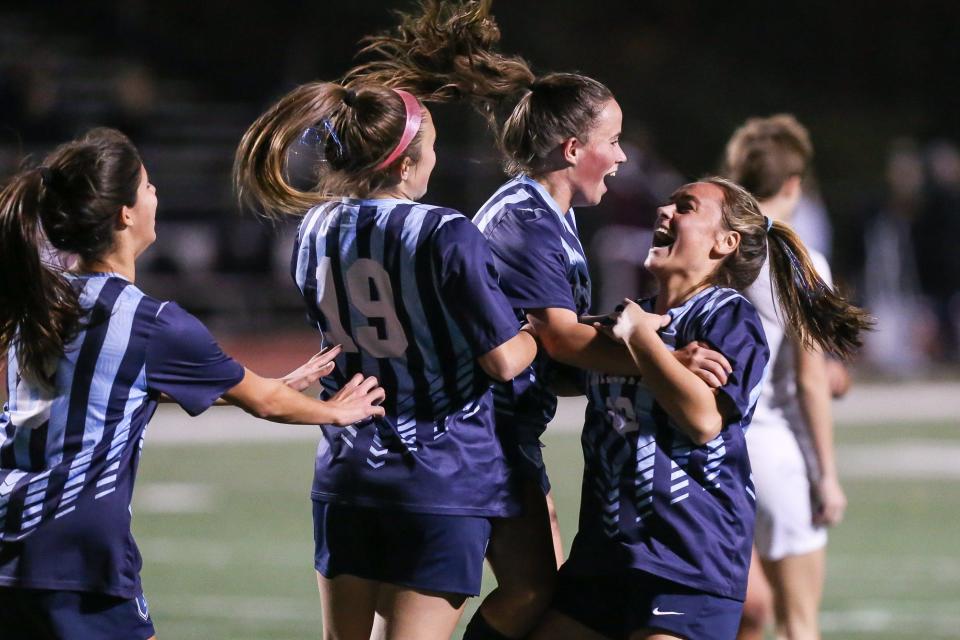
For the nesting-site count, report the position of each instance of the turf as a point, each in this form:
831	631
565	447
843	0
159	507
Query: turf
226	536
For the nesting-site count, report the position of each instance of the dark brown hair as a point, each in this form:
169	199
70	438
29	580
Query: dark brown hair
813	311
72	200
359	126
446	51
765	152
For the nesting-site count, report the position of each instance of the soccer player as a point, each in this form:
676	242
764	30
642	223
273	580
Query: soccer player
560	140
667	507
792	423
402	508
89	356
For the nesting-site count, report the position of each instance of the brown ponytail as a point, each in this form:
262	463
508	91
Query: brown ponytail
359	127
447	52
72	201
818	313
813	311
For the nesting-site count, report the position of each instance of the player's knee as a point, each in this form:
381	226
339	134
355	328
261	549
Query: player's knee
800	624
757	611
531	598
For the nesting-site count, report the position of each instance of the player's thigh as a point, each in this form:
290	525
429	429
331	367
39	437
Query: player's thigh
521	548
404	613
559	626
348	604
555	529
784	521
758	605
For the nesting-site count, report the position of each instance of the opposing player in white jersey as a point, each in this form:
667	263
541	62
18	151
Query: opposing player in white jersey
791	439
667	506
402	506
89	356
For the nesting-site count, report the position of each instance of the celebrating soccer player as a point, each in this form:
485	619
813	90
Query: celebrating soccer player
402	507
89	356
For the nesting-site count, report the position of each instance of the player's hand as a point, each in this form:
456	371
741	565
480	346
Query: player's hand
631	320
830	503
321	364
707	364
357	400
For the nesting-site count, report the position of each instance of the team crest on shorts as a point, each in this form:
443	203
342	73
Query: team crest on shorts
143	609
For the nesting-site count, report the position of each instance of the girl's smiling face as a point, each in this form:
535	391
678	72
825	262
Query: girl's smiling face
689	238
601	156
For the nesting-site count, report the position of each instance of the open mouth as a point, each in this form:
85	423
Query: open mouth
662	237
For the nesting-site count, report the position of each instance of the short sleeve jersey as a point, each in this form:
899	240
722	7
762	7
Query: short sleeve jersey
411	292
537	251
69	452
652	499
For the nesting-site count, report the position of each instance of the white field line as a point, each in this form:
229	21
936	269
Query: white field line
173	497
940	623
254	610
873	405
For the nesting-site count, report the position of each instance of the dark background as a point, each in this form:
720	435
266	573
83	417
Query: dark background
184	79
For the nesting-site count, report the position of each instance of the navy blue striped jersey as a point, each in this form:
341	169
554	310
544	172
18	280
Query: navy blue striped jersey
69	451
652	499
542	265
411	293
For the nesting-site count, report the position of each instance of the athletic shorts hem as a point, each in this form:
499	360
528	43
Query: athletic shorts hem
28	614
619	605
811	543
411	584
429	552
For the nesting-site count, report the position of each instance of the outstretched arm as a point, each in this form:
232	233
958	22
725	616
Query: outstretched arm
321	364
567	340
270	399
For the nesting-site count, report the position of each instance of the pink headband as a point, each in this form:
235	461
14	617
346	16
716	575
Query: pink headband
414	118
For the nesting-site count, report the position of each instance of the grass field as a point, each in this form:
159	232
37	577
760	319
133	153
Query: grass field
226	535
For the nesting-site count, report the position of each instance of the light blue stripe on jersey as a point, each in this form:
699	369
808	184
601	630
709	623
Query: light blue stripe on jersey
65	370
497	207
310	221
413	303
108	364
348	215
569	223
121	435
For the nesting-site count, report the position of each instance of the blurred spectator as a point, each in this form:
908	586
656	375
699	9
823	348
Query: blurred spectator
134	96
904	327
31	98
935	233
810	219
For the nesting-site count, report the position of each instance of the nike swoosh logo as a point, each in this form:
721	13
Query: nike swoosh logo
657	612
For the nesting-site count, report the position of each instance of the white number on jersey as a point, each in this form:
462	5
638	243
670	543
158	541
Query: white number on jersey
624	418
369	292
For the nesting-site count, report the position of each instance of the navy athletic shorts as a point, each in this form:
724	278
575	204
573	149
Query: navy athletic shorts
41	614
417	550
618	605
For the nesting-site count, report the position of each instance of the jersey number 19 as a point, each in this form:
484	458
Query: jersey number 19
368	292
